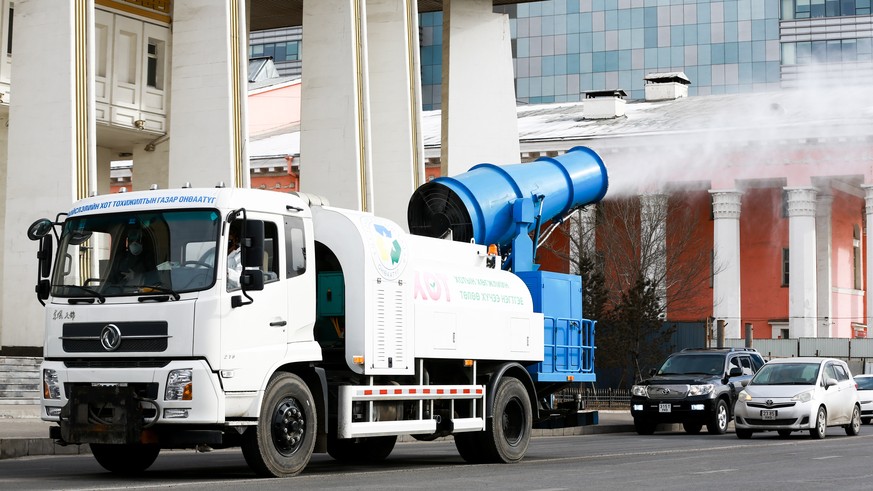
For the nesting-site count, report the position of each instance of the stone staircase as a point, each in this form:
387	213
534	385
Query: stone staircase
20	385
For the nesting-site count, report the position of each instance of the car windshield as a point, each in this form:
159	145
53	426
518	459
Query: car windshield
693	364
137	253
864	383
787	374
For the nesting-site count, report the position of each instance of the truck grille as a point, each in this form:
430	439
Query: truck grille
89	337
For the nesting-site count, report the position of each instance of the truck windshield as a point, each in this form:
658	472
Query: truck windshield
137	253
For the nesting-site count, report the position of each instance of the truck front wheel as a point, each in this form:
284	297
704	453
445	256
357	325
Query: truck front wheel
125	459
282	442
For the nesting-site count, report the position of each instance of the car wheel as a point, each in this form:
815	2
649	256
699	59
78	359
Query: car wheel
854	427
744	434
644	426
718	422
784	433
692	428
821	424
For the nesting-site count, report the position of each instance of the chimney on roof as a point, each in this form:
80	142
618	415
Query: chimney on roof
604	104
666	86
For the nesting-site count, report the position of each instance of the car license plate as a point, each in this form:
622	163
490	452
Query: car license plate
665	407
768	414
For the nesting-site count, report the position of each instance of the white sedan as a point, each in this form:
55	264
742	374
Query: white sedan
794	394
865	394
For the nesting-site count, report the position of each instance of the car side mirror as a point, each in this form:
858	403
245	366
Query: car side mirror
745	382
735	372
652	372
830	382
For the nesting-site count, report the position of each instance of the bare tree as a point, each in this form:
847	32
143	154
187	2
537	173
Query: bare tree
641	259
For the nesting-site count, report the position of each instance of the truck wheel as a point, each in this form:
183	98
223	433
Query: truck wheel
370	450
125	459
644	426
470	446
282	442
507	433
719	419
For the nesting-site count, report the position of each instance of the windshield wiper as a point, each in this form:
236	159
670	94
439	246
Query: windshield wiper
91	291
157	290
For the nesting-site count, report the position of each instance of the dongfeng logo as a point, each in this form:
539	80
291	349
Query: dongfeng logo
110	337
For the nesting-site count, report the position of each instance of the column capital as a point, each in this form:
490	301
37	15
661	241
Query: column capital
868	197
801	201
726	203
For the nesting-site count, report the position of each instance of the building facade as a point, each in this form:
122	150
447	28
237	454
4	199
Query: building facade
564	48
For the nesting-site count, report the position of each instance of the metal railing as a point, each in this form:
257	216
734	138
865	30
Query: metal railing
595	398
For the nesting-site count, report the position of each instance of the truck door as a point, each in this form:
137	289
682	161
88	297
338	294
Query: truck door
254	335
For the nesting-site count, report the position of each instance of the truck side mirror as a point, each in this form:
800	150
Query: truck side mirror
43	287
253	244
44	256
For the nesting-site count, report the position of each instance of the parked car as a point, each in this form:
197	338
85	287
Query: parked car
694	387
795	394
865	396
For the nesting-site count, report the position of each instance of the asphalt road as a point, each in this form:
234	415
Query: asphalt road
597	462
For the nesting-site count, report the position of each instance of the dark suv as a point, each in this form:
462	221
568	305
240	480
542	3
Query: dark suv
694	387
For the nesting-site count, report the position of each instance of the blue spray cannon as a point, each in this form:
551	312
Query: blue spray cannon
503	205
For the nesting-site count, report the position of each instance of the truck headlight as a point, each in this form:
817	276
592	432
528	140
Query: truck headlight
51	388
640	390
180	385
700	390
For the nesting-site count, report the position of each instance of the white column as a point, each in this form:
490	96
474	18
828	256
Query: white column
479	122
726	303
335	151
802	297
208	95
395	96
653	242
824	281
51	146
868	280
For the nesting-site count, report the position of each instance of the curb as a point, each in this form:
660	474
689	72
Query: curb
13	448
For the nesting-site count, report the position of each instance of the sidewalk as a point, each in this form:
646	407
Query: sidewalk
23	434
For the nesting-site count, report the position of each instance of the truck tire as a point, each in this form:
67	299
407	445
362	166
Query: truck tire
282	442
470	446
370	450
507	432
125	459
718	421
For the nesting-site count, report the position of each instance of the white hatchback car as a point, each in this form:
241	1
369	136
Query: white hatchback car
793	394
865	394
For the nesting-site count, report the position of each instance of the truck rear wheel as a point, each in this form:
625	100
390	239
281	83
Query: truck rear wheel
125	459
369	450
282	442
508	434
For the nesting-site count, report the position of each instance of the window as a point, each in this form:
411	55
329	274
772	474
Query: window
785	264
152	65
295	247
856	257
271	258
746	362
841	372
9	35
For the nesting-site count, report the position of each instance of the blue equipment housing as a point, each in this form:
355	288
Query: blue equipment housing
502	205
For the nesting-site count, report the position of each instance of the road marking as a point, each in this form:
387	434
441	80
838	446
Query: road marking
826	457
717	471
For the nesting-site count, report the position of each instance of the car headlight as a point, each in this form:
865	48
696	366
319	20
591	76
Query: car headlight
803	396
700	390
640	390
51	388
744	396
180	385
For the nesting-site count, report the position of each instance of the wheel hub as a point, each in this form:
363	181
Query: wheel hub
288	426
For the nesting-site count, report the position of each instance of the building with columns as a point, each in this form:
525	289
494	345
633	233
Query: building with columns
163	83
782	183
